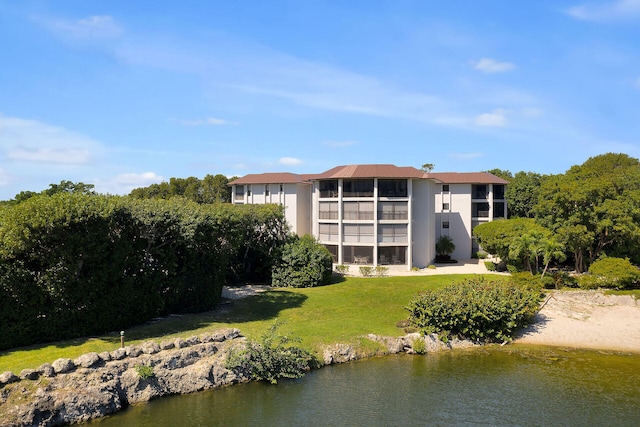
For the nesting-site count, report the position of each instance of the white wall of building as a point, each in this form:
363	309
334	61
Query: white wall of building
458	216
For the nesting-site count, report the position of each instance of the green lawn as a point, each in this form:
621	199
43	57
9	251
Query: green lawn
340	312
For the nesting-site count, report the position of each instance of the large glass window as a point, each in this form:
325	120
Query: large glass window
498	191
392	233
392	255
328	188
392	187
239	192
328	232
328	210
357	254
393	210
357	210
480	210
358	233
498	210
333	250
479	191
357	188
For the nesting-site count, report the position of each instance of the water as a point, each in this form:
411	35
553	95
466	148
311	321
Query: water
497	387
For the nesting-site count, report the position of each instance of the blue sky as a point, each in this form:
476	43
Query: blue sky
122	93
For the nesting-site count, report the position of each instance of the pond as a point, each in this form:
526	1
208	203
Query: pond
510	386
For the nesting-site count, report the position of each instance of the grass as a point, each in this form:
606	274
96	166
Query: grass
338	313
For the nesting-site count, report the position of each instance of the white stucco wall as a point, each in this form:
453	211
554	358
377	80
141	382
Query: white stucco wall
458	216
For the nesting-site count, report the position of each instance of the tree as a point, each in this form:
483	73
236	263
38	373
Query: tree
504	174
304	263
211	189
427	167
593	207
551	249
522	194
445	247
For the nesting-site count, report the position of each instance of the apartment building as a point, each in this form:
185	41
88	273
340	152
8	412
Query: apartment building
379	214
464	200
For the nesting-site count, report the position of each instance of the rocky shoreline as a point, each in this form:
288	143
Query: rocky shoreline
94	385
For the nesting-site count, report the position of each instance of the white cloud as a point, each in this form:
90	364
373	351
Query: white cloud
209	121
91	27
617	10
124	183
69	156
488	65
496	118
32	141
290	161
339	144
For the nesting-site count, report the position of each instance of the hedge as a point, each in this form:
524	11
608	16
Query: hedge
74	265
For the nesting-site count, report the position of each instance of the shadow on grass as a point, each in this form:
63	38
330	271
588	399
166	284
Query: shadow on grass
263	306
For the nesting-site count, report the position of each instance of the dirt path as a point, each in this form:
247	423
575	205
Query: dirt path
587	319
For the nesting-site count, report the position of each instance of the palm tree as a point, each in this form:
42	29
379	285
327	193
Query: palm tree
551	249
445	247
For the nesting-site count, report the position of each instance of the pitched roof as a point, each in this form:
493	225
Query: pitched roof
270	178
370	171
467	178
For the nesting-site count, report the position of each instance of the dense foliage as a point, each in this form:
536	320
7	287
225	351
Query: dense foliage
76	264
272	358
594	208
475	309
522	194
616	273
210	189
303	263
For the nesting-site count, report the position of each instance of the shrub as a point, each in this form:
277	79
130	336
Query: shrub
419	346
366	271
381	271
342	269
145	371
617	273
481	255
303	263
272	358
431	267
491	266
475	309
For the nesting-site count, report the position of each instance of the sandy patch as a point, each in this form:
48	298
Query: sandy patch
237	292
586	319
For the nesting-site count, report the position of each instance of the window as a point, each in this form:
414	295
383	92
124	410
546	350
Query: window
328	188
498	191
357	188
281	188
393	210
392	187
479	191
266	189
392	233
328	210
328	232
480	210
445	224
239	192
333	250
498	210
249	190
357	210
358	233
445	206
445	188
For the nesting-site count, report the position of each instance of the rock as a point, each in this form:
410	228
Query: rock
46	370
133	351
29	374
339	353
150	347
105	356
62	365
118	354
193	341
8	377
180	343
88	360
167	345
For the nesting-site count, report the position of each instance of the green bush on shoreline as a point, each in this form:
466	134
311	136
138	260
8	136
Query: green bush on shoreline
480	310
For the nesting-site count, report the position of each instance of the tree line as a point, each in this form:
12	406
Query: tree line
74	264
590	212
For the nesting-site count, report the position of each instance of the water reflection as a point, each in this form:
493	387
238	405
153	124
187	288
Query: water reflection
497	387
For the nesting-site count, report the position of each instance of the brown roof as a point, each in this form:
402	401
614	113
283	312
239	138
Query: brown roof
467	178
270	178
371	171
